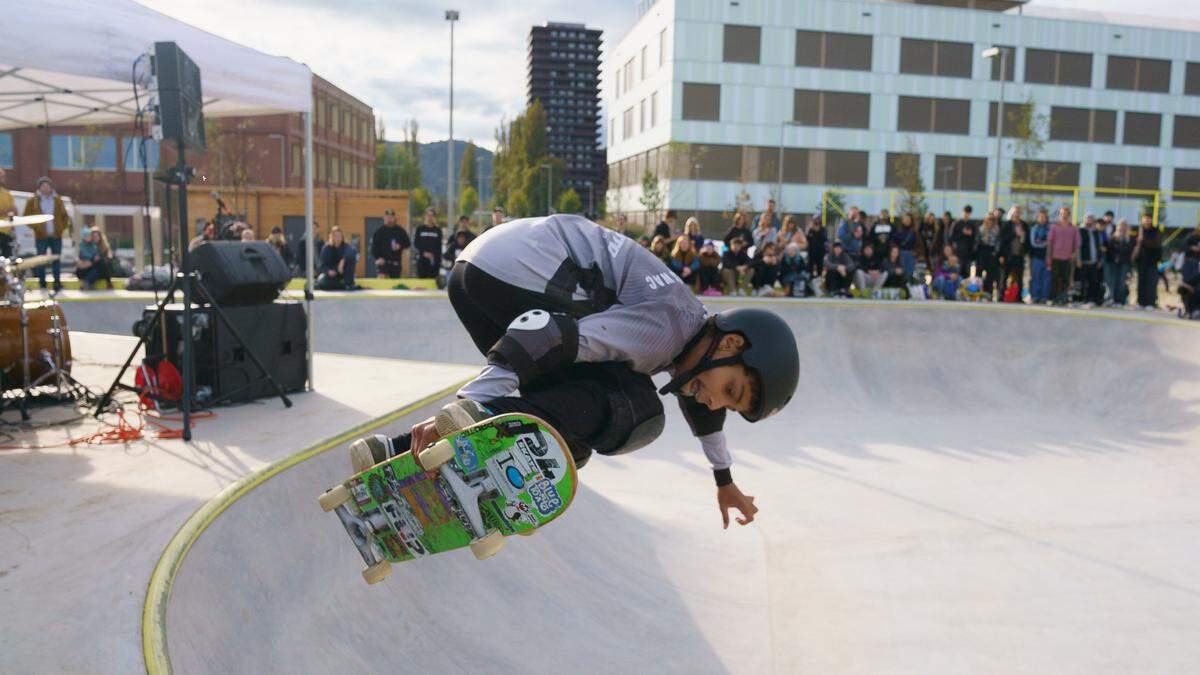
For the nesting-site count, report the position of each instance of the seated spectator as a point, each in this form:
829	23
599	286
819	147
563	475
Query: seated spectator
644	241
814	232
336	269
207	233
945	280
1012	292
788	232
904	236
855	242
869	274
895	274
735	266
738	230
458	241
279	243
793	270
764	231
661	249
666	227
1189	279
839	269
765	270
94	265
973	288
709	273
248	235
684	260
691	229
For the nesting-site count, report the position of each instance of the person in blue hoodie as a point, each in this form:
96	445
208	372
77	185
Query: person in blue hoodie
1039	274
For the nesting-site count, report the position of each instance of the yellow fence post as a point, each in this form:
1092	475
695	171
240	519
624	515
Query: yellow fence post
1075	203
1156	208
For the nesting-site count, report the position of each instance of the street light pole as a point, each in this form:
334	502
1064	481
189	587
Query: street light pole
479	182
779	187
1002	53
451	16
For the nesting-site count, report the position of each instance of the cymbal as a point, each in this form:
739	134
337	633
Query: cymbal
23	264
26	220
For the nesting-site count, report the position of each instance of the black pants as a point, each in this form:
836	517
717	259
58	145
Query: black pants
575	401
1093	283
836	282
1147	278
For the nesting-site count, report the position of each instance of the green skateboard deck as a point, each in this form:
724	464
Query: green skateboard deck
509	474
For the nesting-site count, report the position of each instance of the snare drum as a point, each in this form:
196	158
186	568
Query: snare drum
43	342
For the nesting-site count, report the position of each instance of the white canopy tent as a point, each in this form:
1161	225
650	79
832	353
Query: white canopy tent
70	62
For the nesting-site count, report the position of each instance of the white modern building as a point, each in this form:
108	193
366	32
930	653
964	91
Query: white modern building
703	93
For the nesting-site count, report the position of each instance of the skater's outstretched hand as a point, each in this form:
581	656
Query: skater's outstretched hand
729	496
423	433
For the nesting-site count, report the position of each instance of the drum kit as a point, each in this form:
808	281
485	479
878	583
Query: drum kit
35	349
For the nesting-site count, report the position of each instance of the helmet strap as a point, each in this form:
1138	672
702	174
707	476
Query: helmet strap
707	362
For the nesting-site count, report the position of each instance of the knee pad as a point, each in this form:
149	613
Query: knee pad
636	418
536	342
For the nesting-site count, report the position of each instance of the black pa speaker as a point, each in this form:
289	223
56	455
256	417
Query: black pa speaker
224	371
180	106
240	272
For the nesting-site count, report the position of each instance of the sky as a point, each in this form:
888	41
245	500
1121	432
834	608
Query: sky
394	54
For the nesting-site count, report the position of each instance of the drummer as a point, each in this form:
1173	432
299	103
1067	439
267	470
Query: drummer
48	236
8	209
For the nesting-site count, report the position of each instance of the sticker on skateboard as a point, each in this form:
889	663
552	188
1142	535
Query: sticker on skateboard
509	474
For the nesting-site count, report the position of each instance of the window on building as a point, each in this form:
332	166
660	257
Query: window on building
297	160
618	80
840	167
1191	80
1187	180
662	47
320	108
1187	132
902	168
832	109
964	174
320	167
843	51
641	116
1122	177
1081	124
935	57
941	116
1010	64
644	66
719	162
86	153
1045	66
701	101
1142	129
742	44
628	74
612	131
627	124
6	150
1038	175
1014	116
654	109
1133	74
131	150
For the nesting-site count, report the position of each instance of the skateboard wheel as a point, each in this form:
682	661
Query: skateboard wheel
361	458
436	455
377	572
488	545
334	497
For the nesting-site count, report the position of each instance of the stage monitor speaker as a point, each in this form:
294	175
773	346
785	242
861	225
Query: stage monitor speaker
180	105
224	372
240	272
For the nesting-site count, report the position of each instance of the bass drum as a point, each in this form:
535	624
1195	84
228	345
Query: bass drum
43	347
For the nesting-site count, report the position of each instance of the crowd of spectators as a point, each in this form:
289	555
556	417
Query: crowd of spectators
1003	256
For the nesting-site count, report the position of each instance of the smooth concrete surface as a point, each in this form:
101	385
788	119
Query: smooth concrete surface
82	527
952	491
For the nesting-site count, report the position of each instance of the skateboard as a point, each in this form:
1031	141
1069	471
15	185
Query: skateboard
509	474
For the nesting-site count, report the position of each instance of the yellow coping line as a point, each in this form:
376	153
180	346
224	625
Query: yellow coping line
154	611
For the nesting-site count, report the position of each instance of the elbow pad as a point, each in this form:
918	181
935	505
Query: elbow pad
536	342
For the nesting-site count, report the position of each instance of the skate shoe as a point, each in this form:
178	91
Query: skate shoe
368	451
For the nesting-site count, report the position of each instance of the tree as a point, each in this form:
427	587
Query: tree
517	205
831	206
420	199
468	201
908	172
652	196
1029	131
398	165
467	171
570	202
522	155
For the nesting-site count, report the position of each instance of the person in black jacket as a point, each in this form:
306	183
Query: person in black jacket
964	238
458	241
1014	246
666	226
428	242
388	245
1189	279
814	232
738	230
1090	261
1147	253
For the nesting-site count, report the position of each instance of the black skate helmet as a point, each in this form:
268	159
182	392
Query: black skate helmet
770	355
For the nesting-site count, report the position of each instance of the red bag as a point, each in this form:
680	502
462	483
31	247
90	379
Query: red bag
158	384
1012	294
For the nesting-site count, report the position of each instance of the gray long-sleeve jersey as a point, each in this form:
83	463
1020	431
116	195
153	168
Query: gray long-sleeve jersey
630	307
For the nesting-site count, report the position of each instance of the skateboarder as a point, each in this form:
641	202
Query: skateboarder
577	318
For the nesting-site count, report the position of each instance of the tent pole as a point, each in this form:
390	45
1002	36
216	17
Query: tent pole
310	241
